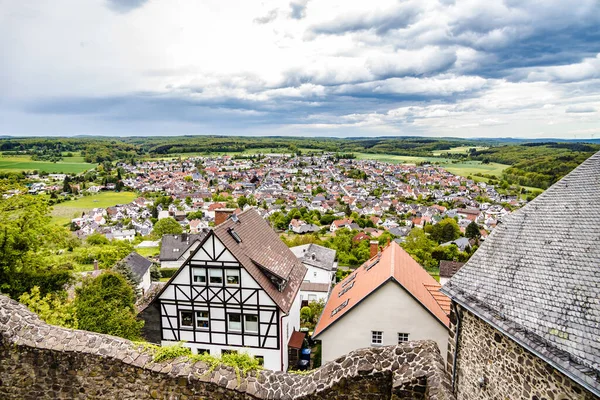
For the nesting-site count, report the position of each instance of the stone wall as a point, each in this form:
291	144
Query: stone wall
39	361
510	371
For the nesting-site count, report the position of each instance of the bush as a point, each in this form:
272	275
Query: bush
168	272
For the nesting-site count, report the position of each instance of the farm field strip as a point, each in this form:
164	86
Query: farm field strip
63	213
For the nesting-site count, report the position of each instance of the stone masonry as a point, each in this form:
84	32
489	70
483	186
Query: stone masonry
508	370
40	361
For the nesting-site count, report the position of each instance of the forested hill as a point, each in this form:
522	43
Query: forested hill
537	164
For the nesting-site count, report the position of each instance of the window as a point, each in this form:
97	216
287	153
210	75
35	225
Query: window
229	352
402	337
235	322
312	297
344	290
340	307
175	250
376	337
202	351
251	323
199	275
202	319
186	318
315	274
216	276
233	277
260	359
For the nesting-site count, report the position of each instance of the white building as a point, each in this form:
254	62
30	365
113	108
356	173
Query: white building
238	290
320	276
388	300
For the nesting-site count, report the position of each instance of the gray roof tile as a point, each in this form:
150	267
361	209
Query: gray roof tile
538	274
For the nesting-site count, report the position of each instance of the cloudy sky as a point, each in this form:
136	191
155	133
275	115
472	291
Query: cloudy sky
464	68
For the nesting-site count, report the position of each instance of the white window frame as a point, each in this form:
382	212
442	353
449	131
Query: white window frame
212	273
232	272
181	324
199	272
203	319
229	328
377	338
246	328
403	337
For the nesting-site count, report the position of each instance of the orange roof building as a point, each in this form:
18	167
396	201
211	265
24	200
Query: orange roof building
387	300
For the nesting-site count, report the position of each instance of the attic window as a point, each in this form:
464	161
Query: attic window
176	250
372	264
340	307
349	280
344	290
234	235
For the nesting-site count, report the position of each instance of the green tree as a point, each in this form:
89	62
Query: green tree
195	215
53	308
167	226
242	201
472	231
105	304
125	271
445	231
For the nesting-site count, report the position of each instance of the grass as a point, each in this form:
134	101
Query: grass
264	150
71	165
64	212
148	251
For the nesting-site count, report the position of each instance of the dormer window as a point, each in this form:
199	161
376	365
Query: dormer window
234	235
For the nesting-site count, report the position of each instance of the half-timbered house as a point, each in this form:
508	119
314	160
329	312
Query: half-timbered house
237	291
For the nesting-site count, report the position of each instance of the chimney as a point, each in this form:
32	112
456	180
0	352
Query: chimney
221	215
95	265
374	246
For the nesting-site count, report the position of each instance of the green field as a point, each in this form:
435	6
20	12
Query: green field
467	168
264	150
63	213
464	168
459	150
69	165
394	159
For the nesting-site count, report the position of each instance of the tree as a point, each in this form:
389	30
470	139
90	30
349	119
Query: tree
445	231
167	226
242	201
194	215
125	271
155	273
66	184
52	308
472	231
105	304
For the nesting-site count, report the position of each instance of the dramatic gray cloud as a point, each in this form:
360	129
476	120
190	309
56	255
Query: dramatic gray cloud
332	67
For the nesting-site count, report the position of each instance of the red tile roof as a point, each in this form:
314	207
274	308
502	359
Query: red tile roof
296	340
393	263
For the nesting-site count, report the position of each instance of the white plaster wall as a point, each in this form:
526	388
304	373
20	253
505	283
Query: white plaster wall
304	295
390	309
271	357
317	275
290	323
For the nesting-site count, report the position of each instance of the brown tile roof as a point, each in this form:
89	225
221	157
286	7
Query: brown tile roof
393	263
296	340
314	287
261	249
449	268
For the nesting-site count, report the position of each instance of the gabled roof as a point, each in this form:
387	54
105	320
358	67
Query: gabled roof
139	265
174	246
537	276
392	264
316	256
261	250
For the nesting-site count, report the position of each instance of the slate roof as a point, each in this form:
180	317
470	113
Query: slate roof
537	276
139	264
171	243
262	249
316	256
393	263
